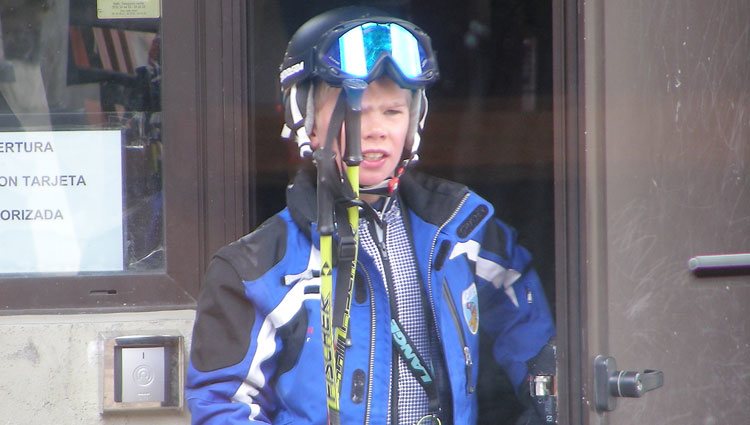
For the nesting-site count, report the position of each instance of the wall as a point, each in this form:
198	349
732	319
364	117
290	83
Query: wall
51	366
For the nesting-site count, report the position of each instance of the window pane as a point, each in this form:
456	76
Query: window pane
80	138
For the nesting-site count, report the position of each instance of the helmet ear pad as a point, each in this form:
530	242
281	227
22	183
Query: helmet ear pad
418	113
299	113
295	105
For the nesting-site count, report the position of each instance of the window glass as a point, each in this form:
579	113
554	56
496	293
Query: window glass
80	138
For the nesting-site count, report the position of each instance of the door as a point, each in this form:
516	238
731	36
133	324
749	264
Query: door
666	119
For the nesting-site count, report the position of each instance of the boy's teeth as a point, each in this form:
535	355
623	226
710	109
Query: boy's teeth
372	156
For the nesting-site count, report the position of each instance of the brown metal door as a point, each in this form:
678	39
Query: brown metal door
666	107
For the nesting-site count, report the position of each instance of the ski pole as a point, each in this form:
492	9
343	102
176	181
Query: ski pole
335	311
325	159
353	90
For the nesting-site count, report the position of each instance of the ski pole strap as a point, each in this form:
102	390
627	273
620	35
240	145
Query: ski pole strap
416	365
344	263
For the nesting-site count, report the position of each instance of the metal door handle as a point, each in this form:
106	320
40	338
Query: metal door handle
634	384
610	382
724	262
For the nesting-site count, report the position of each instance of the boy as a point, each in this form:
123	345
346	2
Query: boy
433	267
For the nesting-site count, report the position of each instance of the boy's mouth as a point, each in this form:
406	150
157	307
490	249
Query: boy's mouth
373	156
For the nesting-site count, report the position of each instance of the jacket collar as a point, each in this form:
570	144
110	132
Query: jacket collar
433	199
301	199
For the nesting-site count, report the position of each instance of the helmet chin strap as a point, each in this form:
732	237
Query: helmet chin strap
387	187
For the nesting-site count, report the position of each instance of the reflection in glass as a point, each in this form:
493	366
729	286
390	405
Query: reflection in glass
62	69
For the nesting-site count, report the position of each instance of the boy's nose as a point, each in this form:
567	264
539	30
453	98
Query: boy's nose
372	129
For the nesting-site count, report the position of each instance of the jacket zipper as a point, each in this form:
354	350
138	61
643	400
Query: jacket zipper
461	336
466	352
371	364
379	235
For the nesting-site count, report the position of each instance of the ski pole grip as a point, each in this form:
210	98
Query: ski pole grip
324	160
354	90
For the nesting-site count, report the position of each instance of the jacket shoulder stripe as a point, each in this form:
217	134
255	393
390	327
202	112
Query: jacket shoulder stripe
266	342
313	264
499	276
470	248
489	270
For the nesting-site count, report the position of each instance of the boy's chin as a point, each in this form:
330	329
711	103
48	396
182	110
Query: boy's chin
363	183
370	181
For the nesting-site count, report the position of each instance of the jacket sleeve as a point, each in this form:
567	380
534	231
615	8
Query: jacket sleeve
513	309
220	386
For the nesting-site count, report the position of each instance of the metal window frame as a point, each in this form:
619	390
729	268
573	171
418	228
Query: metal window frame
570	220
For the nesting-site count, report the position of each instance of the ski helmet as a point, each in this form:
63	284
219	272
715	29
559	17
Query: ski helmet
354	42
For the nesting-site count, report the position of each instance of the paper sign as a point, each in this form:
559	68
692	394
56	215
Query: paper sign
128	9
61	201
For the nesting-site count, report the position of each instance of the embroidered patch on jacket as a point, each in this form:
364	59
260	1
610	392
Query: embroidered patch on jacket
470	305
472	221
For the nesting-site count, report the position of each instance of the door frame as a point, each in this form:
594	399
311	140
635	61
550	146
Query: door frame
570	172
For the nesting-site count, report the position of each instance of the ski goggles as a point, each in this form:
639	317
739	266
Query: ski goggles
371	50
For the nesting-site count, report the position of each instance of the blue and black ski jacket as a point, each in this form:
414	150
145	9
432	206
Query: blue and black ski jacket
257	355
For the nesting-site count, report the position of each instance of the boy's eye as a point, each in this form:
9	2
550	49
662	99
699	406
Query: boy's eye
393	111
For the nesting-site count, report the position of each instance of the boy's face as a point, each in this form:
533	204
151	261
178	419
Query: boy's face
385	123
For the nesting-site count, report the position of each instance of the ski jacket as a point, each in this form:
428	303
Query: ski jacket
257	355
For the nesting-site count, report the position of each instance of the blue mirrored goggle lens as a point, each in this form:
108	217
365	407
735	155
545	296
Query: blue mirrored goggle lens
359	50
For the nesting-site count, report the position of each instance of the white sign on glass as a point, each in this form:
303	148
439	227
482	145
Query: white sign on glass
61	201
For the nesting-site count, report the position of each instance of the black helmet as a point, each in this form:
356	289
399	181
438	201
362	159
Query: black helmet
354	42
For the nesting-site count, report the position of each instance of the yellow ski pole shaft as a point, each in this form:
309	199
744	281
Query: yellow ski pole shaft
325	161
326	325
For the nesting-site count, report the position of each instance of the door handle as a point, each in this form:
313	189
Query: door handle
736	264
610	383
